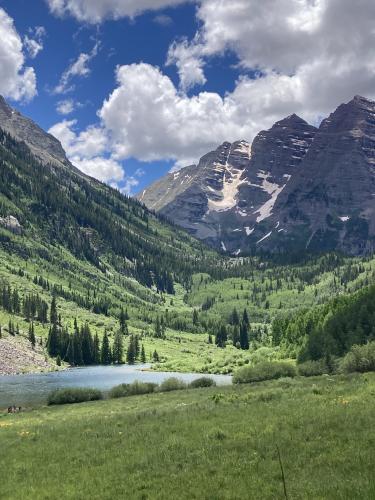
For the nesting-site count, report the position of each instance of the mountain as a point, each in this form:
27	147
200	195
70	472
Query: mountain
45	201
296	188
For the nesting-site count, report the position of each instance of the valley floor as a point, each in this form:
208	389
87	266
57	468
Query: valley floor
217	443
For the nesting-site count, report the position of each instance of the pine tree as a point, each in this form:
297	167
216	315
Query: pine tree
78	358
87	345
221	336
244	335
53	346
155	356
105	355
118	348
53	312
158	329
31	335
143	355
96	350
69	356
123	319
245	318
131	351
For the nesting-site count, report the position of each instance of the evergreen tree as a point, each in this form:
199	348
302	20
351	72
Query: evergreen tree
131	351
53	345
143	355
105	356
221	336
244	336
118	348
78	357
96	350
87	345
53	312
69	356
31	335
123	319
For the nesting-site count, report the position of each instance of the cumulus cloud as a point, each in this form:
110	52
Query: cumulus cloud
16	81
34	41
147	118
78	68
319	51
99	10
87	151
309	56
187	58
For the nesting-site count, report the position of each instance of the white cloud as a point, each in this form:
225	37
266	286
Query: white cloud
129	185
103	169
319	51
35	42
87	150
79	67
65	107
97	11
147	118
16	81
189	63
310	56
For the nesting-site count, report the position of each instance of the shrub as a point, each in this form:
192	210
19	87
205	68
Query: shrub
312	368
202	382
136	387
360	358
172	384
73	395
263	371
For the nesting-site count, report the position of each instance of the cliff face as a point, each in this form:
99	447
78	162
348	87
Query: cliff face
295	188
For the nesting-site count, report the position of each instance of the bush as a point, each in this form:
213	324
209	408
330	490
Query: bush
202	382
263	371
360	358
73	395
136	387
172	384
312	368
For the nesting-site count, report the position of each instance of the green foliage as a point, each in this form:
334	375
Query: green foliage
136	387
73	395
312	368
202	382
330	329
172	384
263	371
360	359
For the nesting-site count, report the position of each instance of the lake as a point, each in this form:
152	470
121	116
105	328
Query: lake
33	389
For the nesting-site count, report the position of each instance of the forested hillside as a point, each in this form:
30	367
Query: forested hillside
88	276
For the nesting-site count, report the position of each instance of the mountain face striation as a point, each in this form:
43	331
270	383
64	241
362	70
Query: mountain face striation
295	188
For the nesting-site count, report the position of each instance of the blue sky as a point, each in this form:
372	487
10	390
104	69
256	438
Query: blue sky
134	88
124	41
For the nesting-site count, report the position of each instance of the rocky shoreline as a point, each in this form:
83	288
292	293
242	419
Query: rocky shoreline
17	356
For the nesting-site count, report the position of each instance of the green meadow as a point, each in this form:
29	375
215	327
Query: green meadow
214	443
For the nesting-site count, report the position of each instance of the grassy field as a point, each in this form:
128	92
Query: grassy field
217	443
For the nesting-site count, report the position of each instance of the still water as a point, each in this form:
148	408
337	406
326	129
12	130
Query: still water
33	389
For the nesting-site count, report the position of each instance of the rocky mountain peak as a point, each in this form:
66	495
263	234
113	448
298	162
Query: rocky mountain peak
43	145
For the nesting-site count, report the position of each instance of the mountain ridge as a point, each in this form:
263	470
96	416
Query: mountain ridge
273	207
